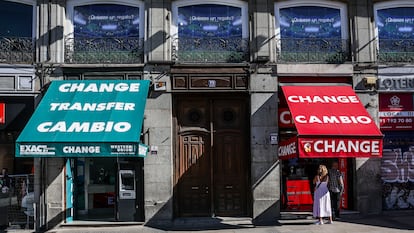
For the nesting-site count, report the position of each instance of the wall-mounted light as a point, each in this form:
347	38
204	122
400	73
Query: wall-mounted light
370	81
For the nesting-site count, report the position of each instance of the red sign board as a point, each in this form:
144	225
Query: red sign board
396	111
339	147
2	113
343	169
332	122
288	149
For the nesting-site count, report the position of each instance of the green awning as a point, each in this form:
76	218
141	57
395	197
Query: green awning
87	119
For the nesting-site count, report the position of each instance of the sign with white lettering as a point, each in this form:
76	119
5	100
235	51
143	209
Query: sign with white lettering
405	83
86	118
396	111
288	148
332	122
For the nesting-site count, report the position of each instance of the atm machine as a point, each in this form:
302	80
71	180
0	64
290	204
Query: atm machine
128	191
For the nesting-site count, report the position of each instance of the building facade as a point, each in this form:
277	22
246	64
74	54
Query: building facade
215	112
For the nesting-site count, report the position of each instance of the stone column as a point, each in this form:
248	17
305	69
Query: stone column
158	168
265	167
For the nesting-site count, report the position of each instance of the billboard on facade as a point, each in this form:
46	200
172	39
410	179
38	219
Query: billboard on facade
396	171
396	111
210	20
396	23
310	22
106	20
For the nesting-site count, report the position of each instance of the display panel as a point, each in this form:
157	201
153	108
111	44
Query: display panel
310	22
210	20
16	19
106	20
397	171
396	23
396	111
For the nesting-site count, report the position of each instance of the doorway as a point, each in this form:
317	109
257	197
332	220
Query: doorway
107	189
211	155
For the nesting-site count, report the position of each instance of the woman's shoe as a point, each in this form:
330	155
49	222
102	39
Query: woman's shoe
330	222
318	223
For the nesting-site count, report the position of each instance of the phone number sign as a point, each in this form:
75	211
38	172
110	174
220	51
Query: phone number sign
396	111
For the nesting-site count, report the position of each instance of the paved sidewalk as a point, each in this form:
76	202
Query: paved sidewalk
387	223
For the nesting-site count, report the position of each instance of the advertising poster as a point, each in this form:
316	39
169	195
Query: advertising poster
310	22
106	20
396	23
397	171
209	20
396	111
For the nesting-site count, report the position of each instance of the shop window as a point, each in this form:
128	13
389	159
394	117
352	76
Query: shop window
16	31
395	31
109	32
210	31
311	32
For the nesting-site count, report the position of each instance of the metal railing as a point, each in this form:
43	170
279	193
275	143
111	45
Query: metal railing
312	50
16	202
17	50
210	50
97	50
396	50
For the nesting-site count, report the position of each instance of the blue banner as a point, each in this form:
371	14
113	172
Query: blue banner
106	20
310	22
209	20
396	23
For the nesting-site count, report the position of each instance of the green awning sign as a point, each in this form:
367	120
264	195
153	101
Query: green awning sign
87	119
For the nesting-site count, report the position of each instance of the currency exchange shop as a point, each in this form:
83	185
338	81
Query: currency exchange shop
319	125
96	127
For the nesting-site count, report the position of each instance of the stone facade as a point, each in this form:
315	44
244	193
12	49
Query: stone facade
264	70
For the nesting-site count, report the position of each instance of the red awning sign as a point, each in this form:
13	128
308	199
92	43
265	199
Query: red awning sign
332	122
2	113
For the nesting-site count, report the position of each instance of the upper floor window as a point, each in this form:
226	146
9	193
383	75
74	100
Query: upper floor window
17	31
104	32
311	31
395	31
210	31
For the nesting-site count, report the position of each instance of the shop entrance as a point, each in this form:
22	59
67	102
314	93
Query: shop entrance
107	189
211	159
297	188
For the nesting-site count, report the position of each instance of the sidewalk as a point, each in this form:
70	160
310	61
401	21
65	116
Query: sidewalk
385	223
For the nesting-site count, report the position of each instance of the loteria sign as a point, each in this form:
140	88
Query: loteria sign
331	122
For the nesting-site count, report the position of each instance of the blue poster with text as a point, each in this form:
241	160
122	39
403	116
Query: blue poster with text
310	22
106	20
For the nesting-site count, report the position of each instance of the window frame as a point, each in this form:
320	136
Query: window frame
34	13
389	5
342	7
71	4
234	3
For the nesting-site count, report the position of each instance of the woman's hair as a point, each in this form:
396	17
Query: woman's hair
322	170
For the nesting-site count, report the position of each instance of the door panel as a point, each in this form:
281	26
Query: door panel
210	164
194	169
230	158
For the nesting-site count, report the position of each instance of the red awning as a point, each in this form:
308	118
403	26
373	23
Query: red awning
332	122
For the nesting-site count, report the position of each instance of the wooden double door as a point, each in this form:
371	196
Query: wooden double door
211	156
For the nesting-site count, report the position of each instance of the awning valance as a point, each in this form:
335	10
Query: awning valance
85	119
331	122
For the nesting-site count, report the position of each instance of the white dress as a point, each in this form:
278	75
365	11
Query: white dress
322	200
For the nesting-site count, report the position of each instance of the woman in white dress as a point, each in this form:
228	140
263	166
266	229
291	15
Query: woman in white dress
322	199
